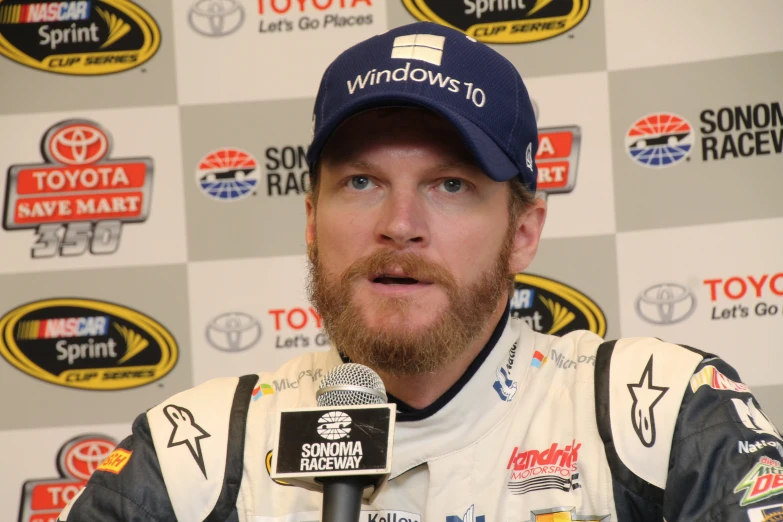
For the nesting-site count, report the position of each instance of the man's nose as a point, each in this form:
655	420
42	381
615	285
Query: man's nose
403	222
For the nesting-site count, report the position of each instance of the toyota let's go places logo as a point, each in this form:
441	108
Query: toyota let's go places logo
665	303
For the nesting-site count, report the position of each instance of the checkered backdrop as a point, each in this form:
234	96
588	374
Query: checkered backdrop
153	173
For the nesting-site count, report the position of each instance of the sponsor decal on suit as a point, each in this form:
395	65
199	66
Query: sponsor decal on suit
552	468
469	516
712	377
564	514
763	481
645	396
186	431
773	513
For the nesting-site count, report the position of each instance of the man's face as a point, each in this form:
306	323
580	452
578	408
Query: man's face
409	242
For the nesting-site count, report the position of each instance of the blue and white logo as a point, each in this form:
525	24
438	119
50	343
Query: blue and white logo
505	386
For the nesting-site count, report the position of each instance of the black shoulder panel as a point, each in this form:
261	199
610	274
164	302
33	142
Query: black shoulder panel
235	453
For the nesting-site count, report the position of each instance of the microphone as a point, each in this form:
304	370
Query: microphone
343	447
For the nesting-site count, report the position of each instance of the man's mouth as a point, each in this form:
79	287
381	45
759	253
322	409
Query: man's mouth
395	280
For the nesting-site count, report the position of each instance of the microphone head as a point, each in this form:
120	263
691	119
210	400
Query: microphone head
351	384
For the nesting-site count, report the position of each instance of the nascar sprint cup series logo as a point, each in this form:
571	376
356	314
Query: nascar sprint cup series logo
79	199
81	37
86	344
503	21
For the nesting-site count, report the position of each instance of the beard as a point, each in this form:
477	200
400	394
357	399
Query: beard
399	350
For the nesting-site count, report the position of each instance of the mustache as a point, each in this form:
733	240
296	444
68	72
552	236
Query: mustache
388	261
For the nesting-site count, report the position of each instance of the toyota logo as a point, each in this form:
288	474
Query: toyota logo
665	303
76	143
216	17
81	456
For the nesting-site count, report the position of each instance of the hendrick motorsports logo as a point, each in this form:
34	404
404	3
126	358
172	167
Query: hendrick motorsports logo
86	344
79	200
233	331
44	499
508	21
81	37
551	468
551	307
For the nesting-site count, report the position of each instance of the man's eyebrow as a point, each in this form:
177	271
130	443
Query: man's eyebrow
368	166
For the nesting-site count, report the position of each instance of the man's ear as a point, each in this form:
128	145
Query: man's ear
528	232
310	225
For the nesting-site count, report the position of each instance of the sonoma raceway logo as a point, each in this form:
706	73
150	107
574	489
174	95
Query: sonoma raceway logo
80	198
663	139
327	456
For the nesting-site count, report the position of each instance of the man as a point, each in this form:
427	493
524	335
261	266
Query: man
421	210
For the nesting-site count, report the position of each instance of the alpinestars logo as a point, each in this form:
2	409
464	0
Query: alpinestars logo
645	396
186	431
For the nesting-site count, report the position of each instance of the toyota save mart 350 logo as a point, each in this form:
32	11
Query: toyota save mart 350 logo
80	198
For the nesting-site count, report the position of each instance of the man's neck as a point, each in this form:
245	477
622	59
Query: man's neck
419	391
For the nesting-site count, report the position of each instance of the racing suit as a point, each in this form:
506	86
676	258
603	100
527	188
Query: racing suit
540	428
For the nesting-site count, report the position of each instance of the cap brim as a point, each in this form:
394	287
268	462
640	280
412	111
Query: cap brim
492	160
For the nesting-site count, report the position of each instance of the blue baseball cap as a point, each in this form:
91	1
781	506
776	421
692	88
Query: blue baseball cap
441	69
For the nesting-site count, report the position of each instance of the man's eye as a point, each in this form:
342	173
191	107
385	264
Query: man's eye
360	182
453	185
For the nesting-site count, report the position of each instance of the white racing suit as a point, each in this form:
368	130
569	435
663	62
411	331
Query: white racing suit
540	428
